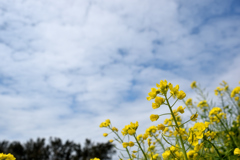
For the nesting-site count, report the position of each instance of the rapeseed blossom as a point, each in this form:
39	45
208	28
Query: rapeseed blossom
235	91
158	102
105	124
105	134
202	104
130	129
198	141
95	159
181	109
189	102
193	84
237	151
152	94
154	117
6	156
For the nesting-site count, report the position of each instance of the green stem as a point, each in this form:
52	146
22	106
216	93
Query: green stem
215	148
181	140
227	131
122	142
164	114
140	147
159	142
174	103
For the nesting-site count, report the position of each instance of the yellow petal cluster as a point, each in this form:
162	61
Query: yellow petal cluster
130	129
152	94
235	91
154	117
189	102
193	84
237	151
95	159
6	156
105	124
151	129
202	104
181	109
163	86
158	102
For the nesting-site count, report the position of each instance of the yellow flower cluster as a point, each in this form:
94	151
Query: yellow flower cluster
154	117
235	91
193	84
216	115
189	102
202	104
95	159
162	89
237	151
105	124
203	139
130	129
196	132
6	156
158	102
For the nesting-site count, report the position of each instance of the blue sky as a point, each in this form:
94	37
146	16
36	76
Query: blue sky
67	65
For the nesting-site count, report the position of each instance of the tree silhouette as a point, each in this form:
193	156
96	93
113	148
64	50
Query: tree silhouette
57	150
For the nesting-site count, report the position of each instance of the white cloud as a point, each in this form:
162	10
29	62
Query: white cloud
68	65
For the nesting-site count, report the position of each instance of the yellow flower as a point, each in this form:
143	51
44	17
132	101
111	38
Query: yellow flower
105	124
215	111
130	129
163	86
130	144
192	139
161	127
181	109
165	130
158	102
198	147
114	129
166	154
145	136
152	147
237	151
202	104
139	137
194	117
152	94
188	102
192	154
6	156
125	144
193	84
166	121
133	156
181	131
105	134
151	129
235	91
95	159
173	90
155	156
110	140
236	98
172	148
181	95
154	117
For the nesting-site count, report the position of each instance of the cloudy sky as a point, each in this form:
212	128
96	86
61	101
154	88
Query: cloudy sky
67	65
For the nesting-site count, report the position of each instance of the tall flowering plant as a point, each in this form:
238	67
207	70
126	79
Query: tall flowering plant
214	131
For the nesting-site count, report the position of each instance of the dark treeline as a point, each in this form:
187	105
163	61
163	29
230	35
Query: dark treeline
57	150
